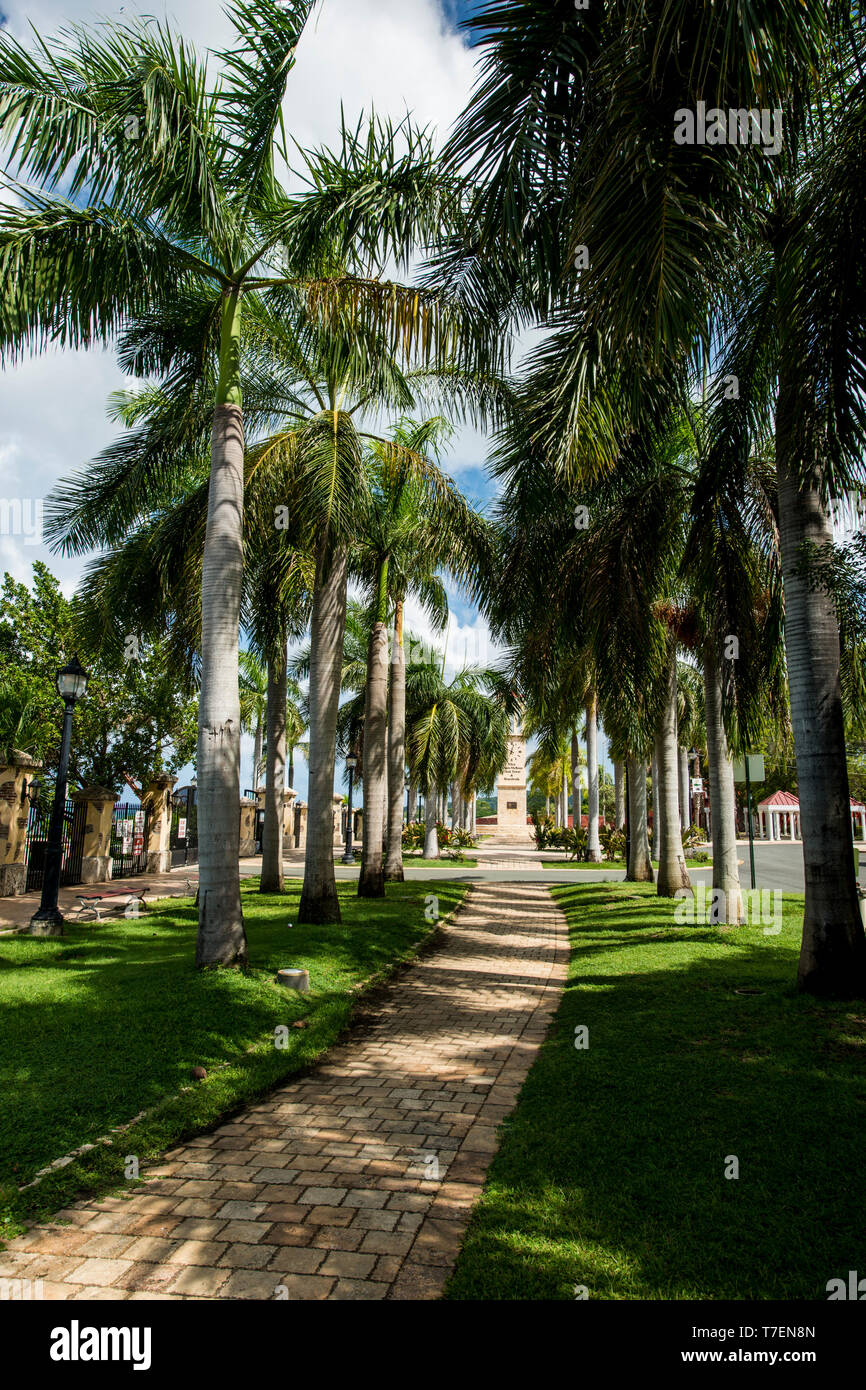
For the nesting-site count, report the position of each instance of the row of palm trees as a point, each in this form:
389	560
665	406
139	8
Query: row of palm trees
665	460
698	387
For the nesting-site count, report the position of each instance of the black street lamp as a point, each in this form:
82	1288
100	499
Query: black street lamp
349	857
48	921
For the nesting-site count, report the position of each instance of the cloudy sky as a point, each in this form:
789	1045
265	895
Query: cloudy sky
391	55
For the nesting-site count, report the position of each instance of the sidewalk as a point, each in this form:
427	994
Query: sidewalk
356	1181
16	912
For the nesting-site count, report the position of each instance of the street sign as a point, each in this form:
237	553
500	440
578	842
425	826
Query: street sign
756	768
697	786
750	769
138	834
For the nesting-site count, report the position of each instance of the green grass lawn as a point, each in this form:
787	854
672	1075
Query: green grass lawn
612	1170
108	1021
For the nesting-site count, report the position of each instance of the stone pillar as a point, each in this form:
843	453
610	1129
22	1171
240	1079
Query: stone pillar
249	807
96	854
289	799
15	776
301	832
157	843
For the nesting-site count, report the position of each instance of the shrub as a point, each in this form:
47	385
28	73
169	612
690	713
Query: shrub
695	835
612	842
413	835
542	829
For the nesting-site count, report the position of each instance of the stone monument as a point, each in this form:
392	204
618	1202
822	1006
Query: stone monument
511	791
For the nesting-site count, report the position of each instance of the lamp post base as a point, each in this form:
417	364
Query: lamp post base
46	923
348	859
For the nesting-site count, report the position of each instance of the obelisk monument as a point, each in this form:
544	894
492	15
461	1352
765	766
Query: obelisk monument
511	790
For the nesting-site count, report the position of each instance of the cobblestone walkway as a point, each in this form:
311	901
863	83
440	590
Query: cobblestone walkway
357	1181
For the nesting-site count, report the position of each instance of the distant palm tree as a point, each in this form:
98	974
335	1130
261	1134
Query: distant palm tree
458	732
254	699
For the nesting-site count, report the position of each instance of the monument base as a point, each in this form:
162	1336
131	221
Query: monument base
507	835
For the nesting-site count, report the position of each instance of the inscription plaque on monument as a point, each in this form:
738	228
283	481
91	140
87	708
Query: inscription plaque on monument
511	789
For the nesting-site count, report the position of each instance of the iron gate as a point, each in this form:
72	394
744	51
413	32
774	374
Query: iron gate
129	828
183	841
74	820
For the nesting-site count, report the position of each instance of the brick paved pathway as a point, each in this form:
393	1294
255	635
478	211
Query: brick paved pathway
327	1187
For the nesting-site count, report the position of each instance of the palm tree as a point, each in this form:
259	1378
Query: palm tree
150	580
254	700
191	200
458	732
774	243
184	198
416	524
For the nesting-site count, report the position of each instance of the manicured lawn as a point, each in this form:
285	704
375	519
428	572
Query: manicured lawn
109	1020
612	1170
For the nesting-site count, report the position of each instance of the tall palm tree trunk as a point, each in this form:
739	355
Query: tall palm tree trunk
257	756
397	754
640	869
221	937
685	798
723	806
673	873
272	880
593	844
654	775
619	794
833	952
371	880
431	838
319	901
291	756
575	779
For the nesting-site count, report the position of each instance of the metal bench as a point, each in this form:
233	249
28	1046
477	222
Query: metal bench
91	902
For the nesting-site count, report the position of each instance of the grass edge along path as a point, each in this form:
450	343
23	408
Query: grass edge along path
389	937
614	1178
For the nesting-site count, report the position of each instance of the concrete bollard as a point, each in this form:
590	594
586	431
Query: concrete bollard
295	979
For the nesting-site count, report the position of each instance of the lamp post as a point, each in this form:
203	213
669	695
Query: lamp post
48	921
351	764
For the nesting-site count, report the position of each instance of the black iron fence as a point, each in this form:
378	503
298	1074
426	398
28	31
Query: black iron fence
183	841
74	820
128	838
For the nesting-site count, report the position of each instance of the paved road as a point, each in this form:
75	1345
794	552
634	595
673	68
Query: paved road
777	865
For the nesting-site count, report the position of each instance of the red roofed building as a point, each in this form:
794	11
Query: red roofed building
779	817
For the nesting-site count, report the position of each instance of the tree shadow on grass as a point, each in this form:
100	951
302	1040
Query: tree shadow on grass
612	1174
110	1019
